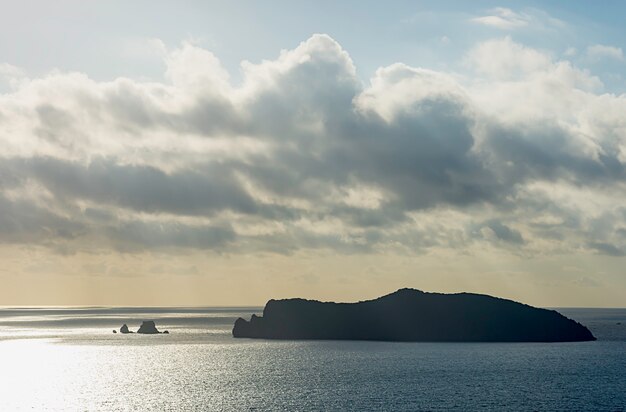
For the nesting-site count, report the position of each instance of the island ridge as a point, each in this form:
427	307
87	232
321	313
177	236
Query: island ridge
413	315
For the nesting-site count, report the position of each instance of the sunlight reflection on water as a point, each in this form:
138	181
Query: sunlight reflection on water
201	367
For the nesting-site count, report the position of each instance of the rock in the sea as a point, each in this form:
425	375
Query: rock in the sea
413	315
114	331
124	329
148	327
167	332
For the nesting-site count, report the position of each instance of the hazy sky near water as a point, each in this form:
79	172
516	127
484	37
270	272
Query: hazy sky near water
204	153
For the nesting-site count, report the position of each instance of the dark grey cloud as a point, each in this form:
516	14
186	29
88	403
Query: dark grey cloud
25	222
607	249
503	232
138	187
547	152
137	236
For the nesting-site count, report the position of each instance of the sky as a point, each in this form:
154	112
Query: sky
225	153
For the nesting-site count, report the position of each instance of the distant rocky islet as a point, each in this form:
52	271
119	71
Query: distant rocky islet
147	327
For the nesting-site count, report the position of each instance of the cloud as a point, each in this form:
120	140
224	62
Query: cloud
503	58
503	18
525	154
136	187
601	51
10	76
570	52
24	222
607	249
493	229
10	70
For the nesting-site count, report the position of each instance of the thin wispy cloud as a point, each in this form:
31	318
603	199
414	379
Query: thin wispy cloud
503	18
601	51
506	19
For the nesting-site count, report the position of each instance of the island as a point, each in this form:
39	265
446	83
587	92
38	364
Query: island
410	315
148	327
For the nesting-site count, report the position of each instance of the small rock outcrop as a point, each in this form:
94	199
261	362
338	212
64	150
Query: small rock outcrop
114	331
124	329
411	315
148	327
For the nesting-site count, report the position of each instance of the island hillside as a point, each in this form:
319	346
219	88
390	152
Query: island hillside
413	315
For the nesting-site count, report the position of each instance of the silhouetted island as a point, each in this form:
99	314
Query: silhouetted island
148	327
124	329
413	315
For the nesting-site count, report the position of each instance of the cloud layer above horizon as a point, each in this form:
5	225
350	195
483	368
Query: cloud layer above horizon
523	154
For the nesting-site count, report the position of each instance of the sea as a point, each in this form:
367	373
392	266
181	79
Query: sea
62	358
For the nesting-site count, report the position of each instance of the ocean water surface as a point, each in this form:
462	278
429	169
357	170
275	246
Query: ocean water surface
69	359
